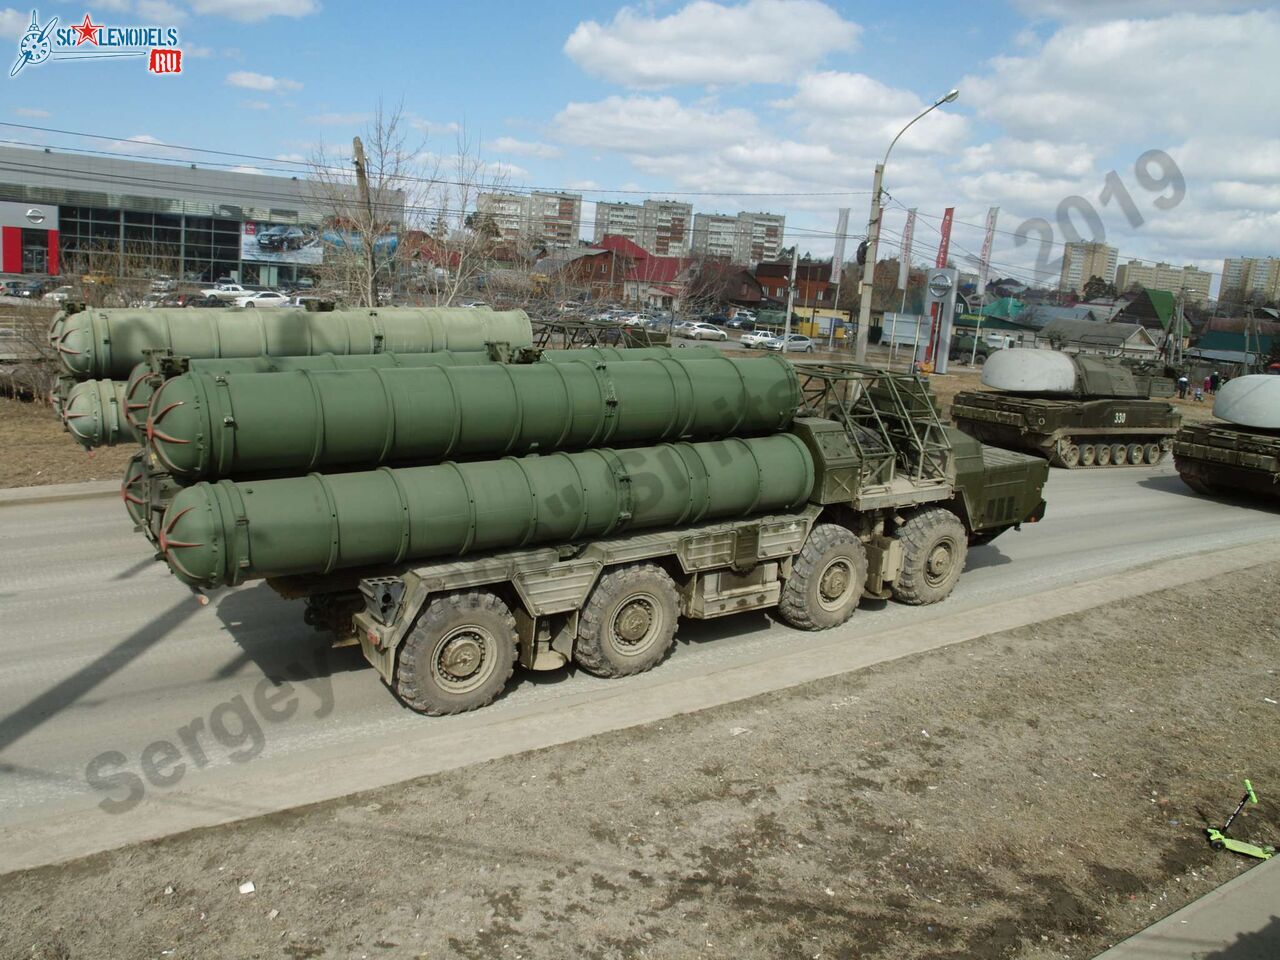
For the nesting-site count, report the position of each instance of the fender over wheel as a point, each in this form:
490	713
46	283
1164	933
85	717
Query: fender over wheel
934	548
459	655
629	623
827	579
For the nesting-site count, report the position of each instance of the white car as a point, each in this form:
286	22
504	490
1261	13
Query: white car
263	298
636	320
225	291
61	294
701	331
795	344
756	338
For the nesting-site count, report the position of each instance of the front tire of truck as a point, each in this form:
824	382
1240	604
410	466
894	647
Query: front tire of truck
459	656
827	579
629	623
934	547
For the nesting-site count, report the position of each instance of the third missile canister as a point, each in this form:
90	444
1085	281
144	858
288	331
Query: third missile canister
108	343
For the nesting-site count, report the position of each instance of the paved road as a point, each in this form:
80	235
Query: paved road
107	662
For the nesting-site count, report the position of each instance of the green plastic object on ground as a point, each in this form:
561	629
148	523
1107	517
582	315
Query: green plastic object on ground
108	343
225	533
212	426
1219	840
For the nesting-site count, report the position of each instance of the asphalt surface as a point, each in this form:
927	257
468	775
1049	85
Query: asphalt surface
111	671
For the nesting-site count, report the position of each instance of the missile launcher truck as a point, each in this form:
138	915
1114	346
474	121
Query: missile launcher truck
1242	454
1073	410
459	519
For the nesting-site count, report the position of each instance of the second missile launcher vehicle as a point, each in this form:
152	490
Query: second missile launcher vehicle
450	574
1241	455
1073	410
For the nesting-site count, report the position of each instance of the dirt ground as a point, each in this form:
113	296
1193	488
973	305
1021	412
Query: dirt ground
1033	794
34	449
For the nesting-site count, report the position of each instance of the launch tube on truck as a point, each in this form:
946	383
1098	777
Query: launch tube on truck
209	426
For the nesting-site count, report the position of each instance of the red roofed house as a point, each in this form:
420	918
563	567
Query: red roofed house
650	280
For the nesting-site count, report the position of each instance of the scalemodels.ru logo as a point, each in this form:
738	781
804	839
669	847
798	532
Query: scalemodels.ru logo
98	41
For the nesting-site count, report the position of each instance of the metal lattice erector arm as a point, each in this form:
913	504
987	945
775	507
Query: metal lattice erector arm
896	408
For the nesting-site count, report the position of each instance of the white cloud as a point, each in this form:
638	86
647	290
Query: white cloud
200	53
760	41
1116	9
255	105
528	148
160	11
291	157
14	23
251	11
651	125
432	128
339	119
1037	156
32	112
261	81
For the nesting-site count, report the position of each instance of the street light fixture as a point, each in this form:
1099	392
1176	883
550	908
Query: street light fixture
873	230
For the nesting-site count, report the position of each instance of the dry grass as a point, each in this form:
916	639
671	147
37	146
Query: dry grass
35	450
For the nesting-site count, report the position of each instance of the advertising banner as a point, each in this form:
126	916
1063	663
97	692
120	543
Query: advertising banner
280	243
904	259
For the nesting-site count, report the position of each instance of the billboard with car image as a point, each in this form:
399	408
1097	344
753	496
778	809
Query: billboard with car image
280	243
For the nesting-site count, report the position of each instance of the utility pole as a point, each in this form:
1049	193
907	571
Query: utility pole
362	182
791	295
869	267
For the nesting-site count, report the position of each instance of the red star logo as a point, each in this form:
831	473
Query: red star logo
88	31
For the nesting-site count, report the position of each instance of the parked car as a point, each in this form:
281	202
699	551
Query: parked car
795	343
226	291
715	319
756	338
33	289
10	288
61	294
263	298
636	319
740	322
164	284
701	331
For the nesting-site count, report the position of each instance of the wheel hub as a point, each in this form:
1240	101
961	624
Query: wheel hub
633	621
461	657
835	581
939	562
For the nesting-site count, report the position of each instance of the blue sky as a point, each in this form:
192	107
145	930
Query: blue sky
787	102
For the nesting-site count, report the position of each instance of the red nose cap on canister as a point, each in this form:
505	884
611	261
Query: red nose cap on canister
174	431
133	489
137	396
189	537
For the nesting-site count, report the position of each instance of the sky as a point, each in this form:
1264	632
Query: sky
1149	124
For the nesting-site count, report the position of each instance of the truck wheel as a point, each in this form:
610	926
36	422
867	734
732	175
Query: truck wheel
934	546
1088	454
629	622
827	579
459	655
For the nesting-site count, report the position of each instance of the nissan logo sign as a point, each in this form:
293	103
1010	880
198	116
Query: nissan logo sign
940	285
35	215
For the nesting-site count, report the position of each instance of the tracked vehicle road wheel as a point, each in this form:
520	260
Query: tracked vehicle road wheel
1153	453
934	547
1119	454
827	579
629	622
1136	454
459	655
1068	454
1103	458
1088	454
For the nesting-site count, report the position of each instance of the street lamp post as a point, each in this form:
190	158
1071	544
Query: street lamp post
873	232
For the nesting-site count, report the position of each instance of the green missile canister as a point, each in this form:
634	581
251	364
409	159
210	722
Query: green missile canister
108	343
94	413
146	377
219	534
209	426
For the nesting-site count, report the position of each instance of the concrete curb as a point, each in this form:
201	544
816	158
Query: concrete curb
56	492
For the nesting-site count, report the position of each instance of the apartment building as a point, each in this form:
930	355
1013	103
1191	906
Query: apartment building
665	227
618	220
1082	260
554	219
1191	281
759	237
1250	278
715	235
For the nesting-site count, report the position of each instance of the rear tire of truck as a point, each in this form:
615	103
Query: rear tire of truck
934	547
459	656
827	579
629	623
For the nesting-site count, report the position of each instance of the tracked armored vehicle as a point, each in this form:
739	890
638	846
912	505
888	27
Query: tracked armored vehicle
1241	455
1075	411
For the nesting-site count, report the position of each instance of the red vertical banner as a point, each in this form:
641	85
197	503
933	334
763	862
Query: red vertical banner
10	249
54	266
944	243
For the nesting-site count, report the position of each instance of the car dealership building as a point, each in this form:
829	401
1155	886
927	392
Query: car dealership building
65	214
